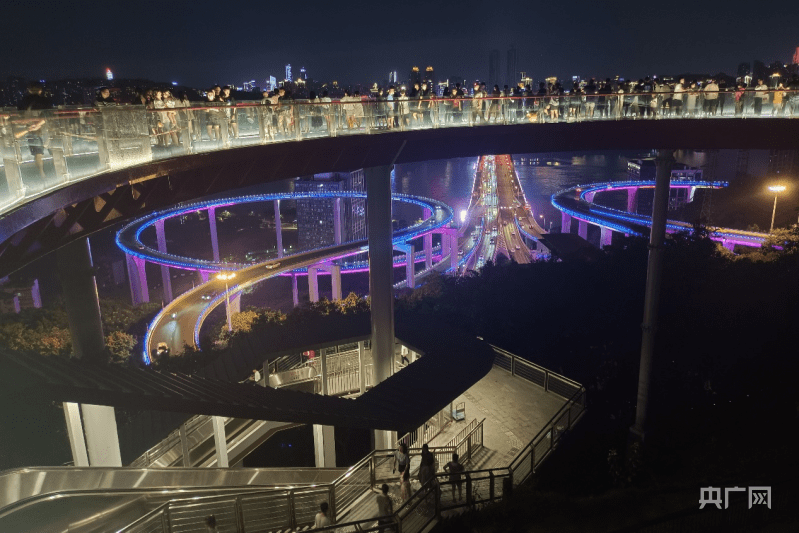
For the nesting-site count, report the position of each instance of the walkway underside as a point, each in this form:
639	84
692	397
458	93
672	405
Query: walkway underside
454	361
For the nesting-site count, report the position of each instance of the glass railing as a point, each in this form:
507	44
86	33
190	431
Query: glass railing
49	149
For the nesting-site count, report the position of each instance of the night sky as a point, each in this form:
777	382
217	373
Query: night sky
200	43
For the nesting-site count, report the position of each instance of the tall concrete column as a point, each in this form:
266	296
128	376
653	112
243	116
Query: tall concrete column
589	197
324	446
102	440
295	293
445	243
36	294
204	276
235	303
166	280
81	301
660	205
220	441
137	278
428	242
453	247
378	204
278	229
565	223
335	280
214	235
605	236
582	229
632	199
730	245
410	267
313	284
337	220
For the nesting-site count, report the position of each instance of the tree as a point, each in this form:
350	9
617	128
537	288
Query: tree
120	346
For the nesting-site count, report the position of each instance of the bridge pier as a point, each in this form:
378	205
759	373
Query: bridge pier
335	277
453	248
428	242
313	284
582	229
632	199
381	273
166	280
204	276
324	436
410	266
730	245
295	293
565	223
589	196
235	303
137	279
279	230
605	236
214	238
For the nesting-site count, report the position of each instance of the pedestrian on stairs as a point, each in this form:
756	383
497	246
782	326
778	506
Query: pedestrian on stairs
401	459
321	517
210	525
455	469
385	508
405	485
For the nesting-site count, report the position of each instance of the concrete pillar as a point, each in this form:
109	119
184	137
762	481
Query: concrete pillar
278	229
166	280
36	295
235	303
137	278
324	446
632	199
730	245
660	205
17	306
582	229
410	267
220	441
313	284
565	223
453	247
77	443
102	440
335	277
80	298
445	243
337	220
428	242
589	196
605	236
295	293
204	276
361	367
381	269
214	236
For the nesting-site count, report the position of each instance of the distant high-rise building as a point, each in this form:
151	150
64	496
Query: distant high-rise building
108	74
511	72
416	76
796	56
743	69
759	71
428	75
315	222
392	77
288	72
271	83
493	69
303	74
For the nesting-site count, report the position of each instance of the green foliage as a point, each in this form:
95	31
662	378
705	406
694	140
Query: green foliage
120	345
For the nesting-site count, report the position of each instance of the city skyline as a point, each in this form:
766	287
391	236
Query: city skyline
459	47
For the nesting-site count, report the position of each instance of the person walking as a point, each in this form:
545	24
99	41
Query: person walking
35	132
455	469
321	519
402	460
405	485
427	468
676	99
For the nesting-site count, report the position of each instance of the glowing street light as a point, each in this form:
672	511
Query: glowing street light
226	277
776	189
463	215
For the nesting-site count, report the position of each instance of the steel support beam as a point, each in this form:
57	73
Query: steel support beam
278	229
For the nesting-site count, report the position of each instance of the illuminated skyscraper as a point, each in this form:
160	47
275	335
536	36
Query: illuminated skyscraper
511	72
428	75
796	56
288	72
315	222
392	77
108	74
416	76
303	74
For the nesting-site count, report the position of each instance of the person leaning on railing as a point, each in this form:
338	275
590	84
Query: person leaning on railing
761	97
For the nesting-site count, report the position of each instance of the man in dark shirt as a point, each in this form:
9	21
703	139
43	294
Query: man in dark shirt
35	130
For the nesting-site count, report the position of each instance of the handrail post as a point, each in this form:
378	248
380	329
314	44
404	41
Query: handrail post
469	498
167	519
437	490
292	511
491	485
546	381
239	515
332	498
372	473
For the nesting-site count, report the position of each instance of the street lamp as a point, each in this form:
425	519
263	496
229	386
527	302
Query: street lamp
225	277
776	189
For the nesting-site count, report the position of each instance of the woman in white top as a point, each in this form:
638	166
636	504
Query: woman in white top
402	460
161	118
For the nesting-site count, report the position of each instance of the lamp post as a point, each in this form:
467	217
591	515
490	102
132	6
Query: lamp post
543	220
226	277
776	189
